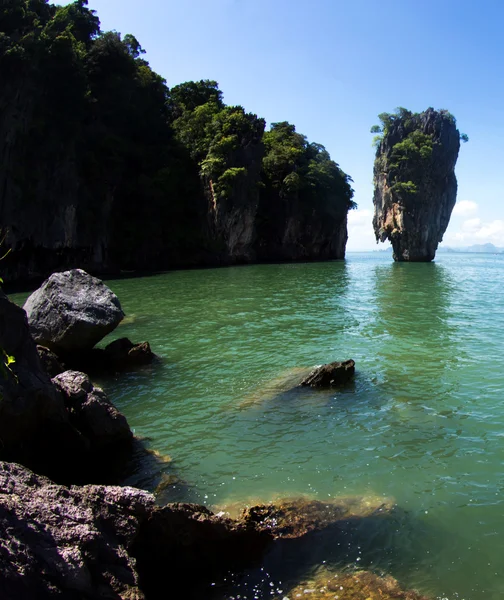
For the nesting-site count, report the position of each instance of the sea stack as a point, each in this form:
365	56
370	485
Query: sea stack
415	187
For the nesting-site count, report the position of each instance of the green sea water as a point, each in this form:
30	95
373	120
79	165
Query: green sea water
422	424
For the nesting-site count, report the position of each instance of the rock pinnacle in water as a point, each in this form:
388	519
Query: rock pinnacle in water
415	187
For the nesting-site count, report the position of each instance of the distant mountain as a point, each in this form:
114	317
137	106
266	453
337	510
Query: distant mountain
478	248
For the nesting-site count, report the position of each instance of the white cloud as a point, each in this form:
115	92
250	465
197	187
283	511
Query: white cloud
471	225
360	217
465	207
360	231
475	231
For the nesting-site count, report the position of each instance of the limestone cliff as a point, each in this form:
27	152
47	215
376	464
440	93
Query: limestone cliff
415	183
104	168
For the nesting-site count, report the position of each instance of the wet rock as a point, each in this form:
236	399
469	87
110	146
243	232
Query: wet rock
294	518
67	542
50	362
123	354
415	183
91	412
72	311
120	355
335	373
357	585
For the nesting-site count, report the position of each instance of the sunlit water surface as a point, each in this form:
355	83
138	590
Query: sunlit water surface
423	423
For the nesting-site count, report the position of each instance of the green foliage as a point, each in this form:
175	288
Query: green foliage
295	169
406	161
404	187
416	146
88	119
464	137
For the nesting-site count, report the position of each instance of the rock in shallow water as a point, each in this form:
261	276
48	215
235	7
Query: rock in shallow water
358	585
335	373
295	517
415	183
91	412
72	311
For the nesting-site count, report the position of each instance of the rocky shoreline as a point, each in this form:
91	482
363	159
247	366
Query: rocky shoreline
106	541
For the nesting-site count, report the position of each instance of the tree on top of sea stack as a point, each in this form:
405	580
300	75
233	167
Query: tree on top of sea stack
415	188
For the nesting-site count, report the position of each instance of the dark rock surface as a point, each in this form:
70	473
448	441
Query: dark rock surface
34	423
67	542
414	219
72	311
124	354
50	362
57	430
91	412
197	546
332	374
120	355
110	542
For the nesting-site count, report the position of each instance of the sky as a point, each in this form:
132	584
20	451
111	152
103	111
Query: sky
331	66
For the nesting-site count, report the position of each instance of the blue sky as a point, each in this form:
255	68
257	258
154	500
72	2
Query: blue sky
331	66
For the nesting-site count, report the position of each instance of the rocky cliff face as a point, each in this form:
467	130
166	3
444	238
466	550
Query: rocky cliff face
415	183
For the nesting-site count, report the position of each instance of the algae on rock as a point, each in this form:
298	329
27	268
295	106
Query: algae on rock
415	187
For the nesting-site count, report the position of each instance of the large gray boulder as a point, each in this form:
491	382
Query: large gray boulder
72	311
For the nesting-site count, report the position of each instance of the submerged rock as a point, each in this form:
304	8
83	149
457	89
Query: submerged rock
72	311
91	412
294	518
334	373
415	183
357	585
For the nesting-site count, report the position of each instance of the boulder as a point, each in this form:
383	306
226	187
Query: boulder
72	311
124	354
335	373
34	424
67	542
91	412
98	542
